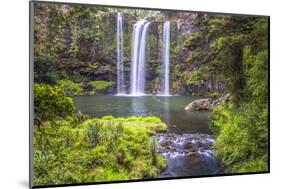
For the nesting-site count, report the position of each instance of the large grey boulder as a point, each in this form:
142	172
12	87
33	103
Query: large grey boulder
200	104
206	103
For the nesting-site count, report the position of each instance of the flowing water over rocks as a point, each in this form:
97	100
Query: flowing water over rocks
187	154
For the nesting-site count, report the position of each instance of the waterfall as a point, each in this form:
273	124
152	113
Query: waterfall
166	60
140	31
120	63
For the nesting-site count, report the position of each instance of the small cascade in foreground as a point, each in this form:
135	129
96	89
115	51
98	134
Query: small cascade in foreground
187	154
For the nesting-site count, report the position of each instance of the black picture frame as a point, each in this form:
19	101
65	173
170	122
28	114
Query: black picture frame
31	83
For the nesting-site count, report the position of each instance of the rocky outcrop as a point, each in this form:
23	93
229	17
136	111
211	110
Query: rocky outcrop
201	104
205	104
220	100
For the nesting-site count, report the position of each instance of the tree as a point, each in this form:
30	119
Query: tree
70	88
242	122
223	40
50	103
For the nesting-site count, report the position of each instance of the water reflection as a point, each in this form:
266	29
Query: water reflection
170	109
138	106
166	110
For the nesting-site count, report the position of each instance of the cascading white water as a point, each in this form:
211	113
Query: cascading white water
165	87
140	32
120	63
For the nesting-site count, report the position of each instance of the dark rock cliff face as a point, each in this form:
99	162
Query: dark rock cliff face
182	27
108	45
86	42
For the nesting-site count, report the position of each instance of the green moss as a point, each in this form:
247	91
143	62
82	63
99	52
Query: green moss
214	94
107	118
194	77
152	123
196	38
100	87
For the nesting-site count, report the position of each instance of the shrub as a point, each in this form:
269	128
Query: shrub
51	103
242	140
70	88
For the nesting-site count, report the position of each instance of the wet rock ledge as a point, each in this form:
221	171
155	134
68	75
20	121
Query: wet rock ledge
205	103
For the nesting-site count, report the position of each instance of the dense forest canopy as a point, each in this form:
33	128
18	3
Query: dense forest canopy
210	55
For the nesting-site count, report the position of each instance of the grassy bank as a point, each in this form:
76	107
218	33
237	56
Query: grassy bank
100	149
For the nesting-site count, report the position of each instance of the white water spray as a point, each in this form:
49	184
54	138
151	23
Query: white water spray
165	86
120	56
140	32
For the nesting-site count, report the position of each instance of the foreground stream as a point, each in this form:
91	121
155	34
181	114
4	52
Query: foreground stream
187	145
187	154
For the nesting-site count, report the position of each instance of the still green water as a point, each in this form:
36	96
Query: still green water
170	109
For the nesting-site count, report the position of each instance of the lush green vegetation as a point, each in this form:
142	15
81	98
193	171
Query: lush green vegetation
75	54
70	88
242	139
100	87
239	53
72	56
70	148
96	150
50	103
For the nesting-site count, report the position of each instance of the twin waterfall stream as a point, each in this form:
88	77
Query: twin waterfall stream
138	64
166	59
120	56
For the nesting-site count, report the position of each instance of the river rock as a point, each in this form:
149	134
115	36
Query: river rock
206	103
200	104
189	146
164	142
203	146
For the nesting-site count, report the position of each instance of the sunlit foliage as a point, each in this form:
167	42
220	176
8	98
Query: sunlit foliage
96	150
